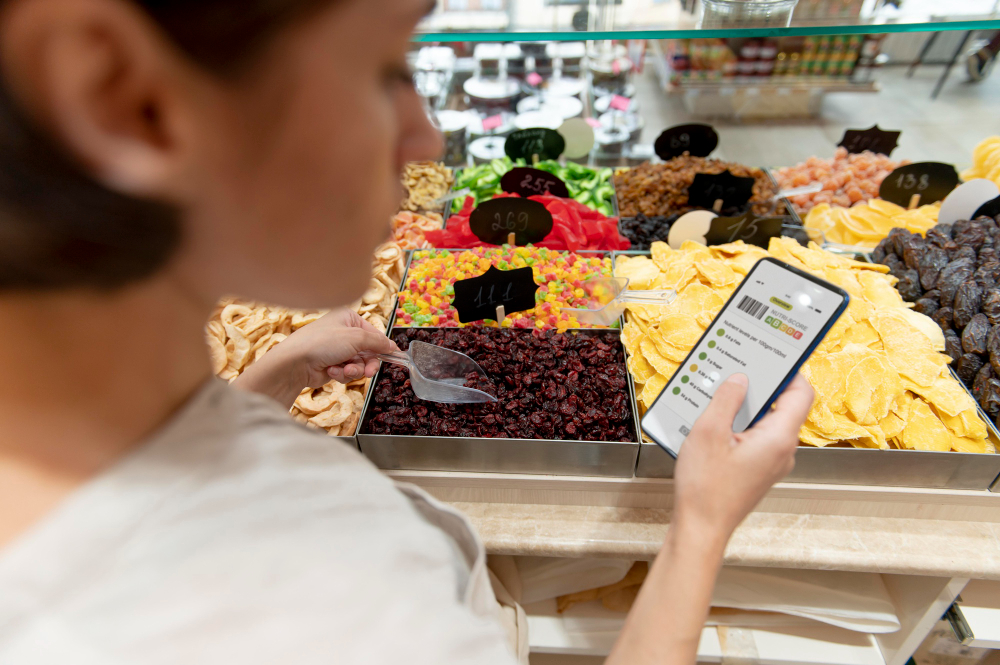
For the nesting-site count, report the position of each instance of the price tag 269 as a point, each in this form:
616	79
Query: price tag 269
494	221
479	298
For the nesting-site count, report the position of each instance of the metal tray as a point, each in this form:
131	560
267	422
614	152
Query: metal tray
864	466
794	220
352	439
614	459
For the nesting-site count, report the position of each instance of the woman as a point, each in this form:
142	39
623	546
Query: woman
158	154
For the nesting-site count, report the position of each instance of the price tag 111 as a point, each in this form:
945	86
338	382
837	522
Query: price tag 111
747	227
496	220
873	139
532	182
539	141
696	139
708	188
919	184
481	297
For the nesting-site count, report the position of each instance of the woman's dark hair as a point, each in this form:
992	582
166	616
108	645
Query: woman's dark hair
58	226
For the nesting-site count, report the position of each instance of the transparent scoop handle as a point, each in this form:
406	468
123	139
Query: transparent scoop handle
799	191
397	358
664	297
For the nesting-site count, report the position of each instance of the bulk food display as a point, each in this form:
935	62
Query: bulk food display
426	183
985	161
662	188
587	186
865	224
880	375
846	178
952	275
574	227
240	333
426	299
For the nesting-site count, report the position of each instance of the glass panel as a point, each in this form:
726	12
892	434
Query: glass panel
530	20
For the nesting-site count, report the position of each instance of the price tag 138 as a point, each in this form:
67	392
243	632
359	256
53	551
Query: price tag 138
527	143
494	221
480	297
747	227
707	188
532	182
930	181
873	138
696	139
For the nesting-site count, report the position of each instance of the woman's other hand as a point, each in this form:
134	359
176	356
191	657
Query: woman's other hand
328	348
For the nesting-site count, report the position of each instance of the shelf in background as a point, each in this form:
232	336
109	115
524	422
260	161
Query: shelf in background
775	87
543	20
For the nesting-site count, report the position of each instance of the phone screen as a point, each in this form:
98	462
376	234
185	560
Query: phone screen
766	330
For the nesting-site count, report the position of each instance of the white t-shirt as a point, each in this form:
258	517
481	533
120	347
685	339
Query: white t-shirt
237	536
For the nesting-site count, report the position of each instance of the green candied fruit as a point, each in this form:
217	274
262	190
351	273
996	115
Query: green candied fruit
410	308
449	290
421	319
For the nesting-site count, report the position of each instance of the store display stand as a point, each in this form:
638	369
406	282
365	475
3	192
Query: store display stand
927	544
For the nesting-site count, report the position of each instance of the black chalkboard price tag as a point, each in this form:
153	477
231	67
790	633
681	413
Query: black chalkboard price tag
480	297
696	139
989	209
532	182
707	188
932	181
526	143
495	220
873	139
747	227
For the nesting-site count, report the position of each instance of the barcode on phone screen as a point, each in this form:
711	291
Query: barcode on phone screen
754	308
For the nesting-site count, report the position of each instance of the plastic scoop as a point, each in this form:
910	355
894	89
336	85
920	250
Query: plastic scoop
608	296
438	374
799	191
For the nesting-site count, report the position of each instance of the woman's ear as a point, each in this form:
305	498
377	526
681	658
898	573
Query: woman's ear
106	85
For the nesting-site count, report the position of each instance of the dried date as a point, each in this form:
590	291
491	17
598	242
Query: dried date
991	399
932	261
984	374
988	274
968	366
952	345
943	317
970	235
913	251
974	334
926	306
952	276
991	305
968	299
909	285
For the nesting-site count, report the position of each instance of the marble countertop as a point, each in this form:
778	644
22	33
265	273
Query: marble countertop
937	533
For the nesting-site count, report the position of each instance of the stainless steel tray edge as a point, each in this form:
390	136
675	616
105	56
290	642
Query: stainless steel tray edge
353	439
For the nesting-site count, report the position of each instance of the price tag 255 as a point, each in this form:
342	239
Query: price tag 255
532	182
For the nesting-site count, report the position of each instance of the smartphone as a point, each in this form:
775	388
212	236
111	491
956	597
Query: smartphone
766	330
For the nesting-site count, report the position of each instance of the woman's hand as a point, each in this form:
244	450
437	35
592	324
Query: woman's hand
721	476
326	349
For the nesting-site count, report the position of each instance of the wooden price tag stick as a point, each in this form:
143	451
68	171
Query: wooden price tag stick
501	315
717	206
534	159
510	239
914	202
